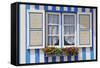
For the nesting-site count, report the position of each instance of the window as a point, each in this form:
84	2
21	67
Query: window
85	30
69	29
53	21
35	31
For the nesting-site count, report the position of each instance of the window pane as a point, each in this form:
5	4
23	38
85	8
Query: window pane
53	19
69	40
53	29
35	20
84	21
35	38
53	40
69	19
84	37
69	29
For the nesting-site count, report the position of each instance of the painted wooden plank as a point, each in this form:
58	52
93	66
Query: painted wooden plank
26	36
22	56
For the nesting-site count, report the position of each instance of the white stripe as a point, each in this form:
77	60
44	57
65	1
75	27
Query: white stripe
65	8
22	35
57	8
57	58
94	22
49	59
79	9
41	7
87	53
49	7
65	58
32	7
87	10
72	58
80	54
72	8
41	56
80	49
32	56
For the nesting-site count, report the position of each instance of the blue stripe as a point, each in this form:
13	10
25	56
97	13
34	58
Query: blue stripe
37	51
61	58
84	53
92	48
53	8
75	9
37	56
83	49
76	57
83	9
53	59
68	58
46	8
27	50
45	59
37	7
61	8
69	9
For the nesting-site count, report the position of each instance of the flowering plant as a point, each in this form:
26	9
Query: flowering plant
50	51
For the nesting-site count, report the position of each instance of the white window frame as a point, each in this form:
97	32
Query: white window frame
90	29
59	32
36	11
63	29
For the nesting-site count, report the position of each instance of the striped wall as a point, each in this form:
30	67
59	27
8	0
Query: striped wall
27	56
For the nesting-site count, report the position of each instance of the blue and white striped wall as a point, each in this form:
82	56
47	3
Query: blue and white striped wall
27	56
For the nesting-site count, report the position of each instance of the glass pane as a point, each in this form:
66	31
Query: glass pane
53	29
35	38
35	20
84	37
69	29
68	19
53	19
84	21
69	40
53	40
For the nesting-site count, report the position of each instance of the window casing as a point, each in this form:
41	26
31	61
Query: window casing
53	29
35	29
84	30
69	29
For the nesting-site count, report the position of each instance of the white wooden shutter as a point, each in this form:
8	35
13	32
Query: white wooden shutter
84	30
35	29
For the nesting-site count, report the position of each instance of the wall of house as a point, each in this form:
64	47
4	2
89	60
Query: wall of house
27	56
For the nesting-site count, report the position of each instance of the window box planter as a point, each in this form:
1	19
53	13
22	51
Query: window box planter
53	51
